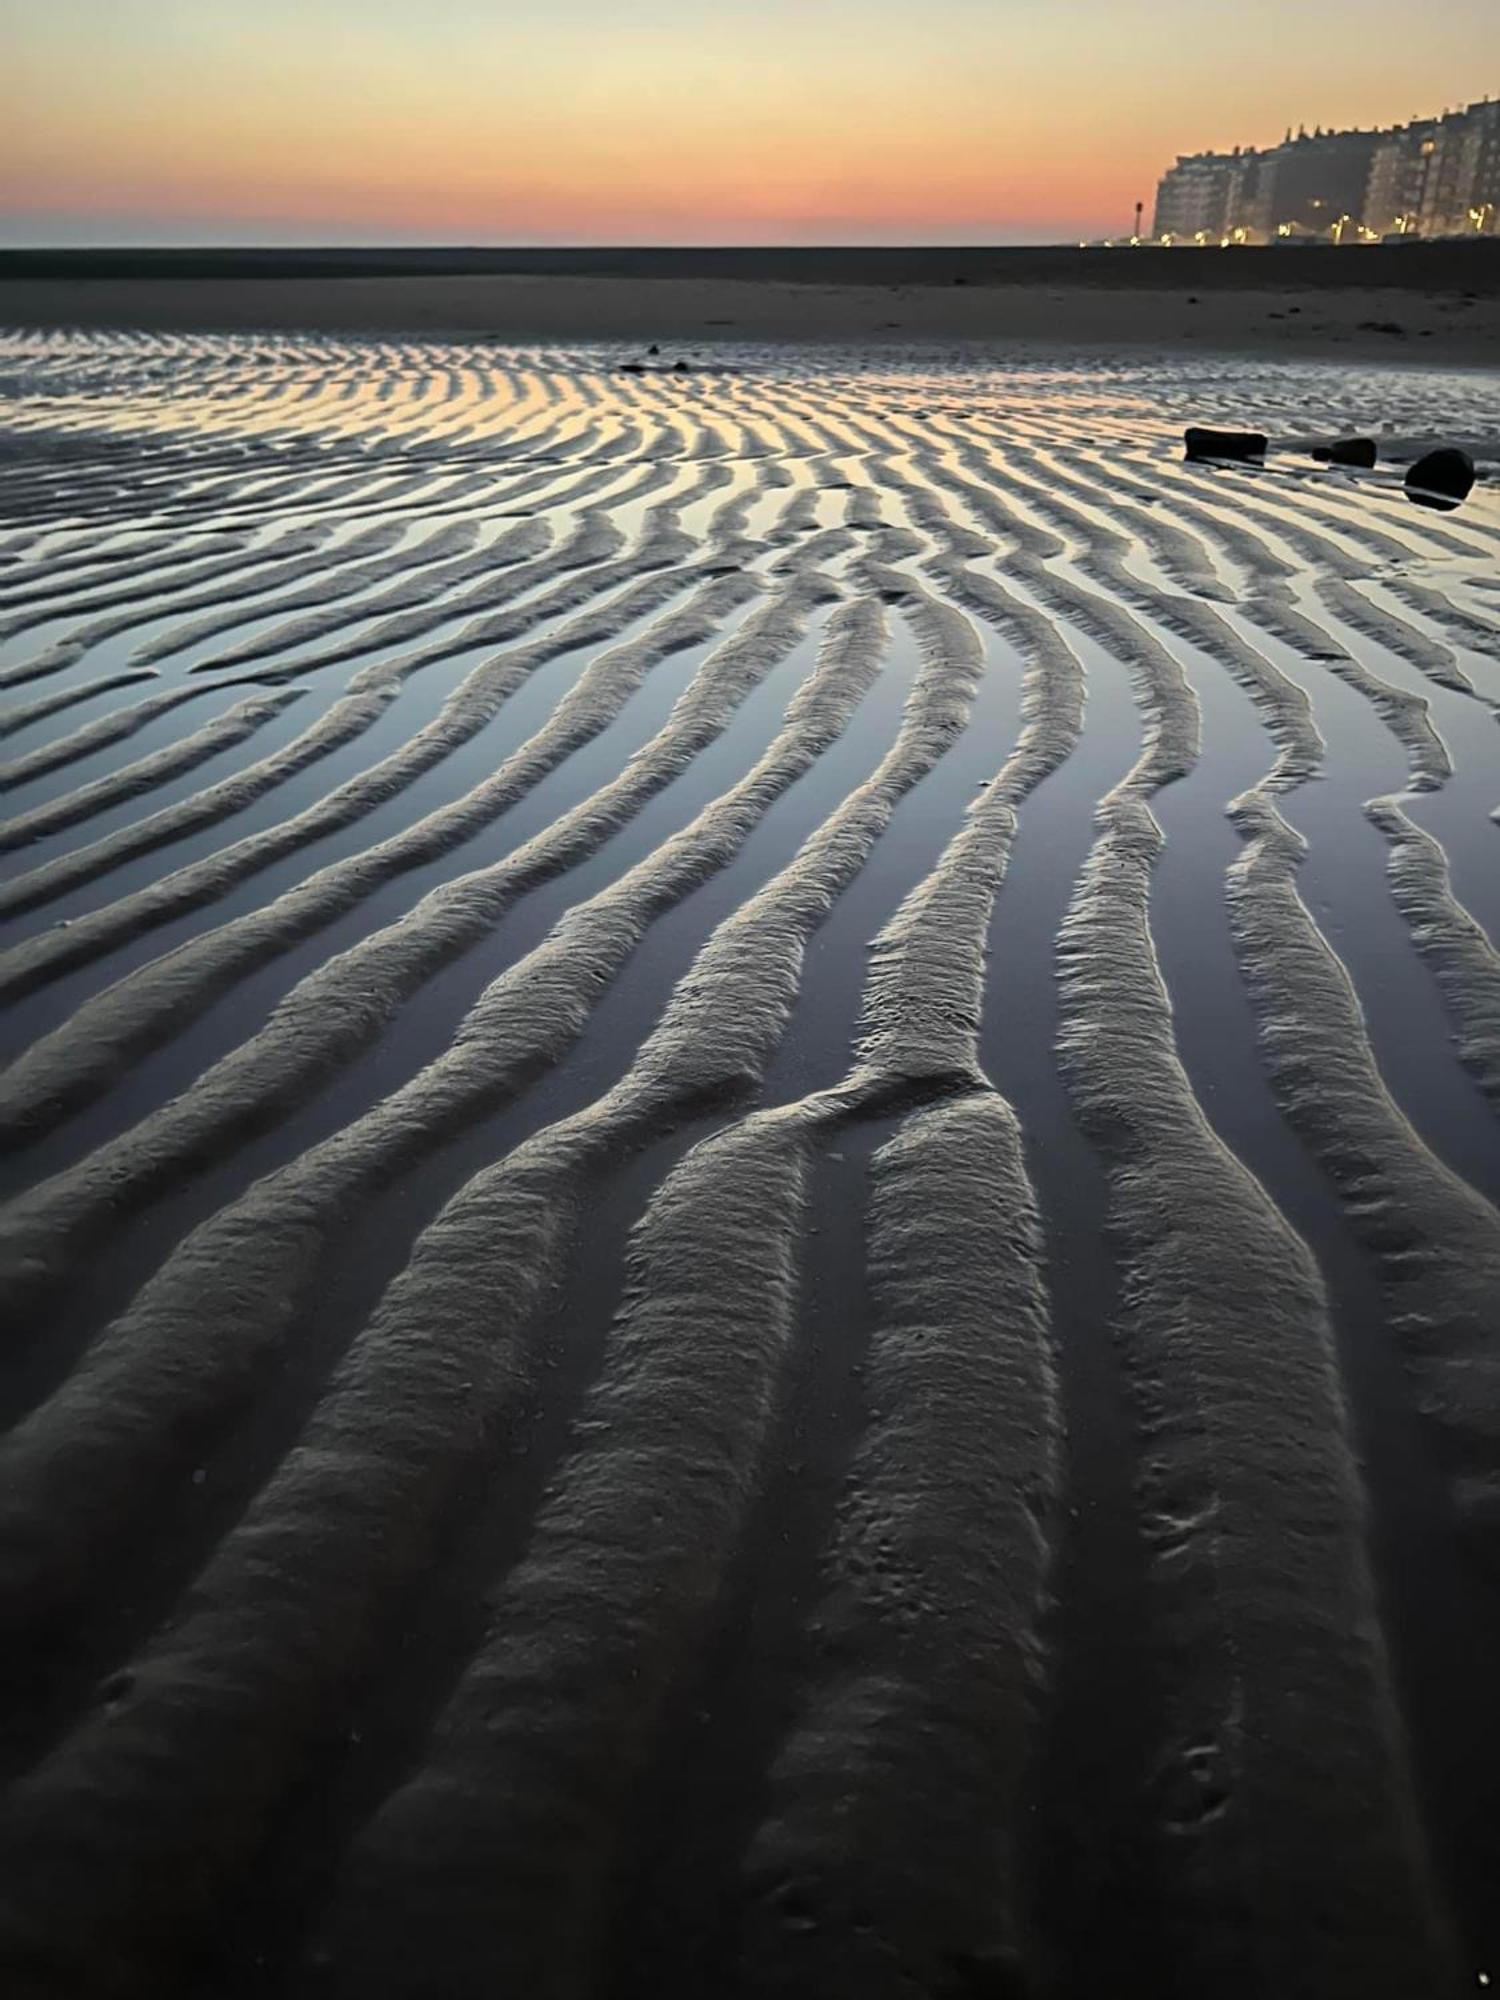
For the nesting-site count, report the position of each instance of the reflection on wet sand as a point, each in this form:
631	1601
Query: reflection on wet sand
753	1146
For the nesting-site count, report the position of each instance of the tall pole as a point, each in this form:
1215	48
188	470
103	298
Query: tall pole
1138	207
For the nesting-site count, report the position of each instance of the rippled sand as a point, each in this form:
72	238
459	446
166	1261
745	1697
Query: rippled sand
752	1116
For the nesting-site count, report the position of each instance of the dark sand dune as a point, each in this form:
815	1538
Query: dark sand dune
557	1412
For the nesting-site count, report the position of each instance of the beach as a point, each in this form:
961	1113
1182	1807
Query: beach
1435	304
751	1107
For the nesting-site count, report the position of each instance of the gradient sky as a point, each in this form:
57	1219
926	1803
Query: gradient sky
659	121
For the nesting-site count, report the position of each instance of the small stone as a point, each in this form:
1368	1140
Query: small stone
1223	444
1441	479
1346	451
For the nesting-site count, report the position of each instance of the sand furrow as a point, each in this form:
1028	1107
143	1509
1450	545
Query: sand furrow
1288	1856
507	1035
1435	1242
164	568
535	1402
1464	962
886	1862
508	1837
148	1005
550	578
521	1768
399	622
1285	704
698	1051
77	569
242	575
25	715
362	560
715	1037
648	579
130	781
1271	606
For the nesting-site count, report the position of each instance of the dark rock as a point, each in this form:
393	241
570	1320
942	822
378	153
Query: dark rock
1382	326
632	367
1346	451
682	367
653	348
1442	479
1223	444
991	1973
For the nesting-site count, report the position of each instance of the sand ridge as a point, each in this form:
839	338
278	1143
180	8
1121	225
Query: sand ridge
545	1422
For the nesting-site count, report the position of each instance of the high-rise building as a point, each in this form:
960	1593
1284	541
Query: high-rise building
1317	182
1207	197
1191	198
1398	174
1433	177
1459	191
1483	212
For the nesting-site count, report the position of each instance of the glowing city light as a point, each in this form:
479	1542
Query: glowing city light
1433	177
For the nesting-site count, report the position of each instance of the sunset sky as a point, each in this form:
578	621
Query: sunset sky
577	121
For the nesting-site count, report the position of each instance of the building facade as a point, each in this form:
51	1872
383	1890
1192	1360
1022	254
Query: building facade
1460	191
1398	175
1433	177
1190	198
1209	197
1316	183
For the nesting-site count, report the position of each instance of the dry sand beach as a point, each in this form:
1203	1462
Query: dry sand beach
752	1120
1432	303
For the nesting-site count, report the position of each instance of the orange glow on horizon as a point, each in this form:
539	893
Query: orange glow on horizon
529	122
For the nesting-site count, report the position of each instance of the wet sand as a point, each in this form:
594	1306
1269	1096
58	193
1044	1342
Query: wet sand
753	1167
